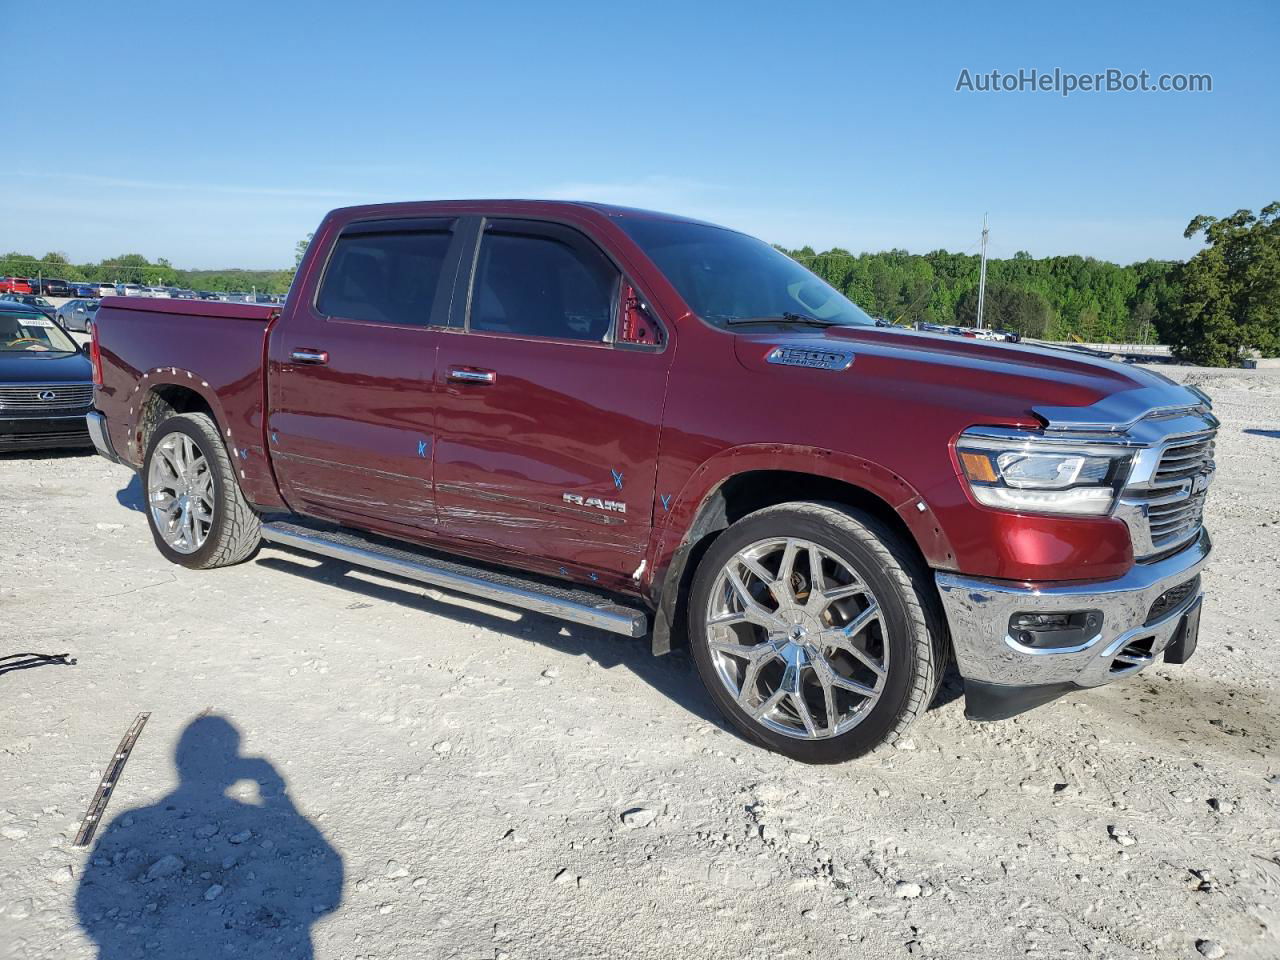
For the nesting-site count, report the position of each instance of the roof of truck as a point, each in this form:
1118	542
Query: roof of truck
607	209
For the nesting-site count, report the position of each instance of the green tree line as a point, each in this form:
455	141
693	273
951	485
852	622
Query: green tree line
1055	298
1214	309
135	268
1220	305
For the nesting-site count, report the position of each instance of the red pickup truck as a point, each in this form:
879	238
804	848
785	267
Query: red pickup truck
656	426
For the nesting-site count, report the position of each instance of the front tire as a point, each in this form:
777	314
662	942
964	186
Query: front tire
197	514
815	631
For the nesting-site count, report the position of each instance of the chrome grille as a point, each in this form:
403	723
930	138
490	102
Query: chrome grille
49	396
1171	522
1183	460
1164	502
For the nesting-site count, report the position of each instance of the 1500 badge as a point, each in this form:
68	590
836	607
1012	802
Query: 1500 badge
610	506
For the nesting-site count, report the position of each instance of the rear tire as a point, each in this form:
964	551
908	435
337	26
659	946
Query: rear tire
822	668
197	514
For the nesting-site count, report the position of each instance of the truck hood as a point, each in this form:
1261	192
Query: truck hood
1005	383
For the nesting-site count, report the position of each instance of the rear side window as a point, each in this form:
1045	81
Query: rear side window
384	277
536	280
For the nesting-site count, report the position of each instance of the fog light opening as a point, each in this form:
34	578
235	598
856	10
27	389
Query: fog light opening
1055	630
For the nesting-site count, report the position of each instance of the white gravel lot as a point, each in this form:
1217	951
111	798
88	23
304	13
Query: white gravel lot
474	782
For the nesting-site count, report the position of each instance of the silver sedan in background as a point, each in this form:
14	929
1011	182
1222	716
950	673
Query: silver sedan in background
78	315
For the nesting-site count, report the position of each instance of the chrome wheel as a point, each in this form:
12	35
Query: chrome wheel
180	493
797	638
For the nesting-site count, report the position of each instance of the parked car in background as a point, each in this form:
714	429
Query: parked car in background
207	295
106	290
84	290
459	376
51	287
31	300
15	285
158	293
1010	336
131	290
77	315
46	383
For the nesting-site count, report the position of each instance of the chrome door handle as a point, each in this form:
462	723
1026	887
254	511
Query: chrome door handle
467	375
305	355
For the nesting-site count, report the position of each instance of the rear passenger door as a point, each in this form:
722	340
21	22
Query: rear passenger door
547	422
350	377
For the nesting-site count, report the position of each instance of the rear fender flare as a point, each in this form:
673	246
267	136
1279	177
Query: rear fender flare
250	460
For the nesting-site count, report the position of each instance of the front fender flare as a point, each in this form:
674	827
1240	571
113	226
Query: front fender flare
693	513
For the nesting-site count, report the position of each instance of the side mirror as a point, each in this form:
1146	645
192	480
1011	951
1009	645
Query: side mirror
638	325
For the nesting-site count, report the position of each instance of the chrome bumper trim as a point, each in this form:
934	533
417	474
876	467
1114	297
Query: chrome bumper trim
978	613
98	434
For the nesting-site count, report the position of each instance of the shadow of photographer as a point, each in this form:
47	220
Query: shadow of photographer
201	874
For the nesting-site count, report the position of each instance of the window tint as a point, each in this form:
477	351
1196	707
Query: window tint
542	283
384	277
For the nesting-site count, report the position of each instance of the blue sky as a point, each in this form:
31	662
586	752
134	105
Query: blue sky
218	136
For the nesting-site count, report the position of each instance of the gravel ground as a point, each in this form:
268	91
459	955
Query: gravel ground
373	769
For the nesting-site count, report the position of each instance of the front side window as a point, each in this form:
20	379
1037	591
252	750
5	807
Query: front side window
727	277
542	281
384	277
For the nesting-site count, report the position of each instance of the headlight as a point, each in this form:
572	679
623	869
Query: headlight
1043	476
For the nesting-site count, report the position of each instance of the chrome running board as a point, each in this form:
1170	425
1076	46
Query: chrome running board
525	591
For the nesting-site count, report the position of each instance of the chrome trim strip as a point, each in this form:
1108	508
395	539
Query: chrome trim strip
459	375
615	619
478	493
1014	436
350	467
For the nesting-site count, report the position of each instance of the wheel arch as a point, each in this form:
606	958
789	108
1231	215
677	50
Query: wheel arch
734	494
164	400
167	391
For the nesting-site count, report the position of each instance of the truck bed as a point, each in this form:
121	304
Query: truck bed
209	349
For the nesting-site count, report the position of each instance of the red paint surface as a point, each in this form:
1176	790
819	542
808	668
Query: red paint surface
343	441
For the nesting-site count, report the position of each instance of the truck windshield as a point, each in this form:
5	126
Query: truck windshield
726	276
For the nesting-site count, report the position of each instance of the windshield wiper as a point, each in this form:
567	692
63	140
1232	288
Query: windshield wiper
785	317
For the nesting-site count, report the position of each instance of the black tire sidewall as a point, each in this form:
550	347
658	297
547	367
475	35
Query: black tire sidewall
210	445
899	629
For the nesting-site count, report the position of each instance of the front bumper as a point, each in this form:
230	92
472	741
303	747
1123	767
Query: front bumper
37	432
1003	677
